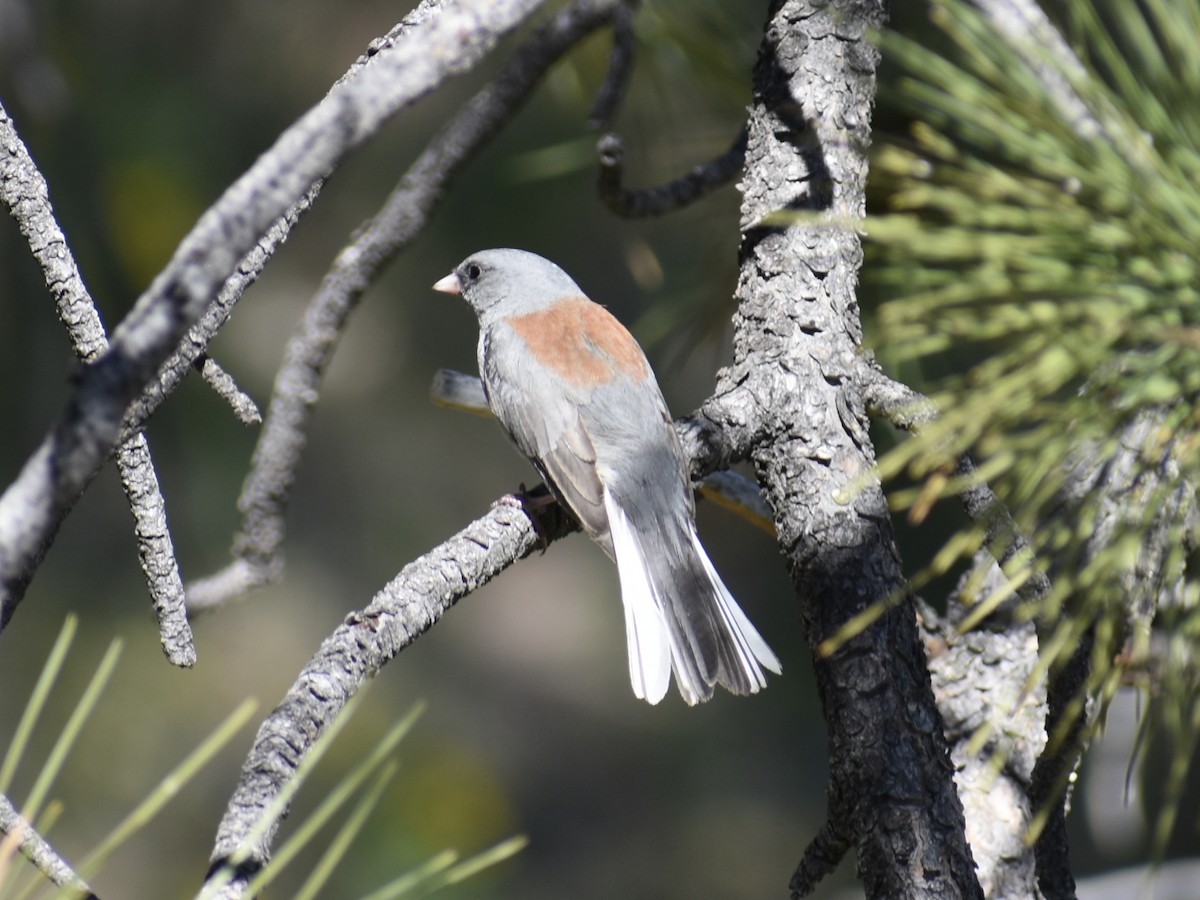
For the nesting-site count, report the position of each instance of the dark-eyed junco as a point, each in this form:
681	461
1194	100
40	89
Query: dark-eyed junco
575	393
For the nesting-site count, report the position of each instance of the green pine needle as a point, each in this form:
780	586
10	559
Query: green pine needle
1039	254
37	702
169	787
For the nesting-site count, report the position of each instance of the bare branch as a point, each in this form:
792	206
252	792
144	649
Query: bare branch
400	613
34	847
156	551
620	66
258	546
222	382
25	193
697	183
32	508
821	857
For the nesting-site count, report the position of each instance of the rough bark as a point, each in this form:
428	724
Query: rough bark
400	612
790	403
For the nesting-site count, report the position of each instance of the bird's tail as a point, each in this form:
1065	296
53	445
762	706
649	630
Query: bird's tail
680	617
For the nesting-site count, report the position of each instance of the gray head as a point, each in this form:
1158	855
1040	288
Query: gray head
508	282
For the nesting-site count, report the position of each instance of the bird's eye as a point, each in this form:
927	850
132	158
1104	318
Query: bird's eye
472	271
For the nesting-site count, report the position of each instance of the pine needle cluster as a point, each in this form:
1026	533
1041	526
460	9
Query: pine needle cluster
1039	259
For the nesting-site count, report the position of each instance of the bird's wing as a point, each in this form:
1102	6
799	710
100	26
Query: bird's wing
544	422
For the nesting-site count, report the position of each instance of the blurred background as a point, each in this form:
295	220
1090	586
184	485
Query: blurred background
139	114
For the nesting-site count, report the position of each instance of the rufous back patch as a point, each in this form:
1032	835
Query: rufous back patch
582	342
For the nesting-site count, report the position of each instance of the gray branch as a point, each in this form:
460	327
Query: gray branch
35	848
24	191
446	43
402	611
222	382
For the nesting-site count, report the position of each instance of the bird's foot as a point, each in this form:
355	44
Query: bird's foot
531	503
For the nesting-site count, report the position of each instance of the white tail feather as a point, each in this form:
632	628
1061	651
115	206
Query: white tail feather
652	654
645	631
750	643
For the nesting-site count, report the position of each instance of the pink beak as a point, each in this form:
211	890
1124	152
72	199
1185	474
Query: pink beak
448	285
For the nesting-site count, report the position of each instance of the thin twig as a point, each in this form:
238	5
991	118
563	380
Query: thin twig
222	382
257	550
156	550
24	191
697	183
620	66
459	391
36	849
821	857
741	496
192	349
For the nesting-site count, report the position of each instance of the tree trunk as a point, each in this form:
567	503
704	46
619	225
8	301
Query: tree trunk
790	403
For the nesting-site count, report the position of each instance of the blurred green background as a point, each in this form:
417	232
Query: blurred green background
139	114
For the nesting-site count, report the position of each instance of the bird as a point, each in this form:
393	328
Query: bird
576	394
